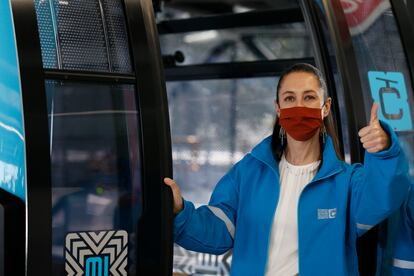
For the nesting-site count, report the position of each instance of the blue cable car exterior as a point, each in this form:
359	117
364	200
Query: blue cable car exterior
12	147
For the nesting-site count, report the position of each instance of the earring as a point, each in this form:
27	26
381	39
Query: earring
323	133
282	134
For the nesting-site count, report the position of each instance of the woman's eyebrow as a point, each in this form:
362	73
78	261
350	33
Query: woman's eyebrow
287	92
310	91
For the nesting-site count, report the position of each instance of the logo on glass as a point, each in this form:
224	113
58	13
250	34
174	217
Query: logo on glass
101	253
389	90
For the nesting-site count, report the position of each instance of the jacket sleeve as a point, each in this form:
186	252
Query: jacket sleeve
379	186
403	244
209	228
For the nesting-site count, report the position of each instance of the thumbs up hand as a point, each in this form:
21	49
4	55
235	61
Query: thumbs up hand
373	137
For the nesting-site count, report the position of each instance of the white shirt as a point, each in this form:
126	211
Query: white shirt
283	246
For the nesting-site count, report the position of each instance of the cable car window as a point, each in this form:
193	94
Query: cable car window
382	66
213	124
96	176
282	41
83	35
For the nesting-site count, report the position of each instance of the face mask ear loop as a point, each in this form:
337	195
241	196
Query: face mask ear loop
323	133
322	110
282	134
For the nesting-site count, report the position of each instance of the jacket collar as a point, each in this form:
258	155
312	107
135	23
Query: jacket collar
330	162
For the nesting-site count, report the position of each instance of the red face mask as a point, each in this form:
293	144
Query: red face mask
300	122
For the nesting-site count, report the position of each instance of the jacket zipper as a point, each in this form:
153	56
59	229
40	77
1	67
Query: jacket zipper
271	225
277	177
298	208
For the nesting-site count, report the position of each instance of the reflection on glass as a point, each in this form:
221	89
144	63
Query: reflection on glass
96	182
213	124
281	41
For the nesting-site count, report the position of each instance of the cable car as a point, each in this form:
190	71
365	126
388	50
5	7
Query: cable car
102	99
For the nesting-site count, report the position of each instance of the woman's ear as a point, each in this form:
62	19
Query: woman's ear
277	109
326	108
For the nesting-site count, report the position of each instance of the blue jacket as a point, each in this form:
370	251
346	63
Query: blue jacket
341	203
403	255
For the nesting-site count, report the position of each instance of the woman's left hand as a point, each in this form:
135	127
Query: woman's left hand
373	137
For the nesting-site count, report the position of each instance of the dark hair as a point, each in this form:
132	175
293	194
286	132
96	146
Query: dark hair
277	148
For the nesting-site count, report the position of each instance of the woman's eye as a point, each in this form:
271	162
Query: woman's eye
289	99
310	97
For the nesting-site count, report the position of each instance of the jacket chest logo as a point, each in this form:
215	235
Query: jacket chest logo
327	213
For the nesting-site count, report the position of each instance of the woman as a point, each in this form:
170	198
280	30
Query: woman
292	206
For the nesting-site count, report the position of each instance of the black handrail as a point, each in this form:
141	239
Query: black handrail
225	21
252	69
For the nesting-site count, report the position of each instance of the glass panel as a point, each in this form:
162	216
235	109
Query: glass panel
213	124
83	35
96	176
382	66
281	41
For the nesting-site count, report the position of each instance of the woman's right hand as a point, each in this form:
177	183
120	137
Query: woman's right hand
178	200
